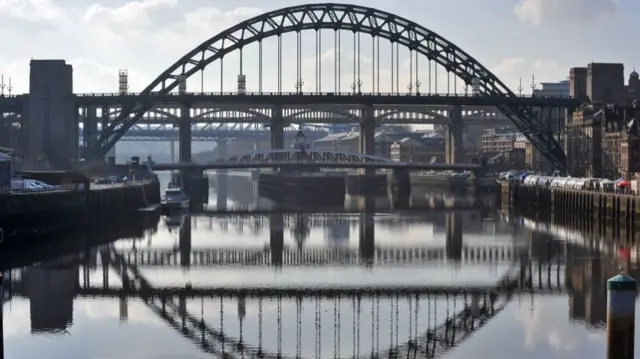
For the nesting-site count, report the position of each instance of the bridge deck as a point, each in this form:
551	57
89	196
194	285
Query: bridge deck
306	98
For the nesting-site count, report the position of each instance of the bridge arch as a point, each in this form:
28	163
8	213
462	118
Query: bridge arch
433	114
259	115
172	116
345	114
339	17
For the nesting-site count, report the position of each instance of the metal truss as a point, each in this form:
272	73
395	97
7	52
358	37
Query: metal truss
213	132
293	156
396	114
357	19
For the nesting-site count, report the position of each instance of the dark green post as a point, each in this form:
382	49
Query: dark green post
621	315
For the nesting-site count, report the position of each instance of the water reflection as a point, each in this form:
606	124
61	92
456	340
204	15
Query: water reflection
281	284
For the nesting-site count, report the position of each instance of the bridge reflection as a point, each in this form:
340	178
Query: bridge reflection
276	253
339	321
390	322
238	192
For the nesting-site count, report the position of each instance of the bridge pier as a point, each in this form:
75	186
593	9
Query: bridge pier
453	233
184	243
400	188
105	261
367	234
184	134
276	239
123	305
277	128
172	150
454	141
90	129
367	138
222	177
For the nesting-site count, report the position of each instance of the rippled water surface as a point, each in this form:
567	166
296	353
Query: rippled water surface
419	283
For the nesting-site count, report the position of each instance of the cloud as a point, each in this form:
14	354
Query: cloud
516	70
144	36
538	11
148	36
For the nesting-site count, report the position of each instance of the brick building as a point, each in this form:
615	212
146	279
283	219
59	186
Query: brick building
603	141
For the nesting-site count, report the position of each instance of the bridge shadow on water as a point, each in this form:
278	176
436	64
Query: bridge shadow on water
239	317
239	191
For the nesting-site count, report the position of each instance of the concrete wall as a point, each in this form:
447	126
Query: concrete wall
51	125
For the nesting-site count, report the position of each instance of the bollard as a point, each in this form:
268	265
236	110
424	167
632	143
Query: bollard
1	315
621	313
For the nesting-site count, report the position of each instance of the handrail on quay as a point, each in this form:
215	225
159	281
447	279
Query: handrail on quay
5	191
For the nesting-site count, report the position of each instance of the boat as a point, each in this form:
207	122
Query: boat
174	200
174	221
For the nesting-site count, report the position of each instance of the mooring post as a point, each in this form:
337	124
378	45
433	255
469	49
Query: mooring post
621	315
1	315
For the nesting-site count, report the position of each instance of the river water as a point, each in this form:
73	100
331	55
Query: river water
420	283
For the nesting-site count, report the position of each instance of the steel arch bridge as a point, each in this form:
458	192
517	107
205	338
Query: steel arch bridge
337	17
435	342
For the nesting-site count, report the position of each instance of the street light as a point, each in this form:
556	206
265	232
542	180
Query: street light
357	85
299	85
410	87
418	84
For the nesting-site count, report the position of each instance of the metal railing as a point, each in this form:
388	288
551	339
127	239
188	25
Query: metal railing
4	191
319	94
60	188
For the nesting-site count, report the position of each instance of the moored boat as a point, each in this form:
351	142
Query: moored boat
174	200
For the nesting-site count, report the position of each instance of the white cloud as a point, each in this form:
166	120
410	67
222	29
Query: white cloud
31	10
143	36
563	337
539	11
147	36
516	70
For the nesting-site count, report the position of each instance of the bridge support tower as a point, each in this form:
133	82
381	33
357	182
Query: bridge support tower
276	239
184	134
454	141
368	136
277	128
453	230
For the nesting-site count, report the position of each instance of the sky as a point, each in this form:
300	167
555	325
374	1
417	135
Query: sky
515	39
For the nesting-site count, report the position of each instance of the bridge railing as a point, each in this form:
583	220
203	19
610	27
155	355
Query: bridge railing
319	94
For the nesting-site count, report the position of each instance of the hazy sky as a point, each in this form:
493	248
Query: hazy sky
514	38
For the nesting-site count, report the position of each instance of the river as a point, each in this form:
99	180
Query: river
426	283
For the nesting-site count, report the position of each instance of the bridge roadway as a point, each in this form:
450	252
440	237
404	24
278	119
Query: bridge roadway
139	133
346	215
531	285
15	103
338	256
314	165
205	99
